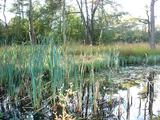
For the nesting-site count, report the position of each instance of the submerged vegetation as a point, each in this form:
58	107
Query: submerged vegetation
54	75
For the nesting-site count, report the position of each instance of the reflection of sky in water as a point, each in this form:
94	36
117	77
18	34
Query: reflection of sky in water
138	74
134	75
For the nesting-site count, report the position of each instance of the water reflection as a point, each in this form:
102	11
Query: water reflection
150	94
140	99
127	94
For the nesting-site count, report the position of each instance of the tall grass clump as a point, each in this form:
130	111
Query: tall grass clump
44	72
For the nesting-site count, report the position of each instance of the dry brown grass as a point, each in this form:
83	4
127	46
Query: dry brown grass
126	49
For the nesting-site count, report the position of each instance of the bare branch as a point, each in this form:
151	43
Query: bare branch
3	21
83	18
4	8
149	29
87	13
97	3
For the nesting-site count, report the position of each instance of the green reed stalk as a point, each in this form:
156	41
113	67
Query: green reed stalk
61	74
109	58
59	65
155	59
80	87
80	95
123	61
1	80
110	86
75	78
116	58
134	60
32	63
40	66
139	60
11	86
55	74
51	68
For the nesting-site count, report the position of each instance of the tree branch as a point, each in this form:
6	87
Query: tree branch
44	12
4	8
149	29
97	3
3	21
83	18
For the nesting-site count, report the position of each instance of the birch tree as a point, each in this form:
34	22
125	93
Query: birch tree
5	20
152	21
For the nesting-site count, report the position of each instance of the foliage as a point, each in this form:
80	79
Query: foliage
110	25
18	30
75	30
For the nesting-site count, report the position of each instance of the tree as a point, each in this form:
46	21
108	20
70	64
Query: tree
2	35
31	28
64	23
152	32
126	29
4	8
86	21
18	7
18	31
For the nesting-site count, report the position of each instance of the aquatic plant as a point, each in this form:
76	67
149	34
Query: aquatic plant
45	71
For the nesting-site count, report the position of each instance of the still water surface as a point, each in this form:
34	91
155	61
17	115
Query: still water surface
138	77
131	97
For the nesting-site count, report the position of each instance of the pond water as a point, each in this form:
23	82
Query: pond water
144	95
129	93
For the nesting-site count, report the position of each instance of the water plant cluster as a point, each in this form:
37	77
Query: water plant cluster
47	72
52	74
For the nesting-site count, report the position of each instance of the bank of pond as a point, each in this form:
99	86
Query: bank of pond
47	81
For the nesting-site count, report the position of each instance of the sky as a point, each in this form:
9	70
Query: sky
135	7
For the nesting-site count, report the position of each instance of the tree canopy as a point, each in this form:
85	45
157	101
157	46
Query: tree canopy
106	23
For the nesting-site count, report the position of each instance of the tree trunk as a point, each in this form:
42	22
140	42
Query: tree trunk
64	23
152	40
31	28
93	10
87	26
4	8
85	31
90	30
92	24
100	37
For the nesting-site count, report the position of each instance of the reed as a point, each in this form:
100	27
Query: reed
110	86
1	80
33	74
25	66
23	70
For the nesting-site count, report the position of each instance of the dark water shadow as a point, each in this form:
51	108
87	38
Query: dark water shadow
109	103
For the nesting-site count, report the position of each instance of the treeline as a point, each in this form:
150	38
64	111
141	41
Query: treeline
110	25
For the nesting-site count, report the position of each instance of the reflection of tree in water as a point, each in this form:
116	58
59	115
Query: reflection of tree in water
105	89
150	94
150	91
